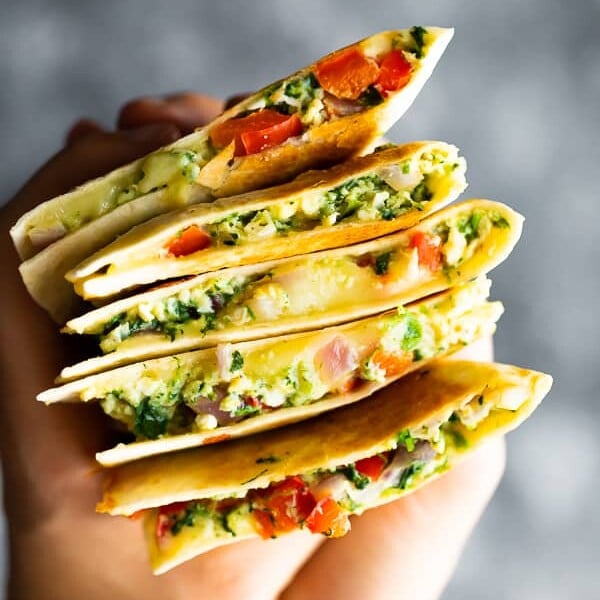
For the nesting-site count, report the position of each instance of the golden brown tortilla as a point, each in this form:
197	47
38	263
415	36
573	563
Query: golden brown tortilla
344	436
458	316
494	246
320	146
140	257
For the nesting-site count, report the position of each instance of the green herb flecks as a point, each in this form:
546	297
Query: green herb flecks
408	474
404	438
499	221
114	322
302	88
151	420
237	361
345	200
469	227
412	332
382	263
359	481
418	35
371	97
421	193
187	517
267	459
246	410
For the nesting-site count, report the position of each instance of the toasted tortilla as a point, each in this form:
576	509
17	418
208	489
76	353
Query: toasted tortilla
416	402
142	256
223	175
446	322
360	298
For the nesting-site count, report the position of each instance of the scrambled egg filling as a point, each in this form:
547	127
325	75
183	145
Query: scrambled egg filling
385	194
409	460
178	168
296	289
177	395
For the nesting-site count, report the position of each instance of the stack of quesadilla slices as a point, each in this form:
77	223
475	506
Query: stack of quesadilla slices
277	353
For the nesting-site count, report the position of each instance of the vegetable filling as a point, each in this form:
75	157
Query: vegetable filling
383	195
348	82
181	394
322	500
301	288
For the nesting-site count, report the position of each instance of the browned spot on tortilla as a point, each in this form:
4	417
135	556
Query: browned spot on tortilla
215	439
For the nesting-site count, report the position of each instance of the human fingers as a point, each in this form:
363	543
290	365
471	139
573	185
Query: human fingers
80	129
88	548
86	157
410	547
47	449
233	100
187	111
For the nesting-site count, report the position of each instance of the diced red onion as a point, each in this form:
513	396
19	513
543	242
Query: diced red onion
336	360
40	238
394	176
339	107
335	487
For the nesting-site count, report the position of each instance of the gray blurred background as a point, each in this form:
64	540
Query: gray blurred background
518	90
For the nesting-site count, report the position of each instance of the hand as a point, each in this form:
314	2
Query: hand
60	548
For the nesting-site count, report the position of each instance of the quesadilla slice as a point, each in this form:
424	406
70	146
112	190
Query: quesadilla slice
315	474
363	198
319	116
300	293
210	395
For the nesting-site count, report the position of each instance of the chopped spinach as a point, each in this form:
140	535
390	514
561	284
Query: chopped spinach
250	312
348	198
408	473
302	88
113	323
412	332
469	227
360	481
422	193
499	221
418	34
246	410
405	439
370	97
189	516
171	330
225	522
237	361
269	91
382	263
150	420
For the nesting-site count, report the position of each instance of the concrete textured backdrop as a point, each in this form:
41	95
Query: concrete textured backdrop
518	91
